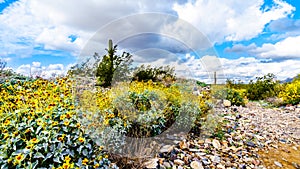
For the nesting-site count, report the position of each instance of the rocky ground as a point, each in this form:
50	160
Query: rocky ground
249	137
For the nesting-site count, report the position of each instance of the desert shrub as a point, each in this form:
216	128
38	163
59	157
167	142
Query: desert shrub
234	96
263	87
40	128
155	74
291	92
146	108
202	84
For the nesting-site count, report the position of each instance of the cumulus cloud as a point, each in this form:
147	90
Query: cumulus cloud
241	48
36	69
26	24
244	68
287	48
285	25
284	49
231	20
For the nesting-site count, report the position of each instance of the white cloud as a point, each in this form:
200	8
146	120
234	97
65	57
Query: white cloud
287	48
49	24
36	64
231	19
35	69
244	68
2	1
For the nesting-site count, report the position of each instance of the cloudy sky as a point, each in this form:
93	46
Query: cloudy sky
238	39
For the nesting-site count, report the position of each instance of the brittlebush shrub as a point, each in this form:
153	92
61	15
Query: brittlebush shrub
234	96
264	87
39	128
291	92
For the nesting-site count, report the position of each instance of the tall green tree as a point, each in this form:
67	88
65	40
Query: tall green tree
112	65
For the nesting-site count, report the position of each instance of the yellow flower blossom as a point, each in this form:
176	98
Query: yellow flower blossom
66	123
96	165
62	117
34	140
81	140
67	159
19	158
85	161
7	122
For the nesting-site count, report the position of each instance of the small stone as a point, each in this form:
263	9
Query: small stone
216	144
256	162
152	163
201	142
205	161
183	145
166	149
178	162
167	165
194	150
196	165
220	166
295	148
250	143
215	159
297	166
282	140
226	103
278	164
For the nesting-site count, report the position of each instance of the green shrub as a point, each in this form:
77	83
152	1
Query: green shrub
39	128
263	87
230	94
156	74
291	92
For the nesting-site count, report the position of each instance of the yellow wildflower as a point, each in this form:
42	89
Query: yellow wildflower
55	123
66	123
19	158
7	122
81	140
62	117
85	161
34	140
96	165
67	159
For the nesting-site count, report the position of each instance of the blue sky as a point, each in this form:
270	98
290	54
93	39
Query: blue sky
247	38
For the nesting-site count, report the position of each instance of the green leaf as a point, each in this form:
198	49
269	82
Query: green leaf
85	152
39	155
34	165
48	156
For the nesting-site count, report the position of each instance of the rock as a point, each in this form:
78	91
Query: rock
152	163
167	165
282	140
230	117
183	145
220	166
297	166
216	144
200	142
178	162
166	149
226	103
194	150
196	165
278	164
205	161
215	159
250	143
256	162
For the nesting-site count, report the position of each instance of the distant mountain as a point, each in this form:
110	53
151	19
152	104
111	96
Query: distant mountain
287	80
